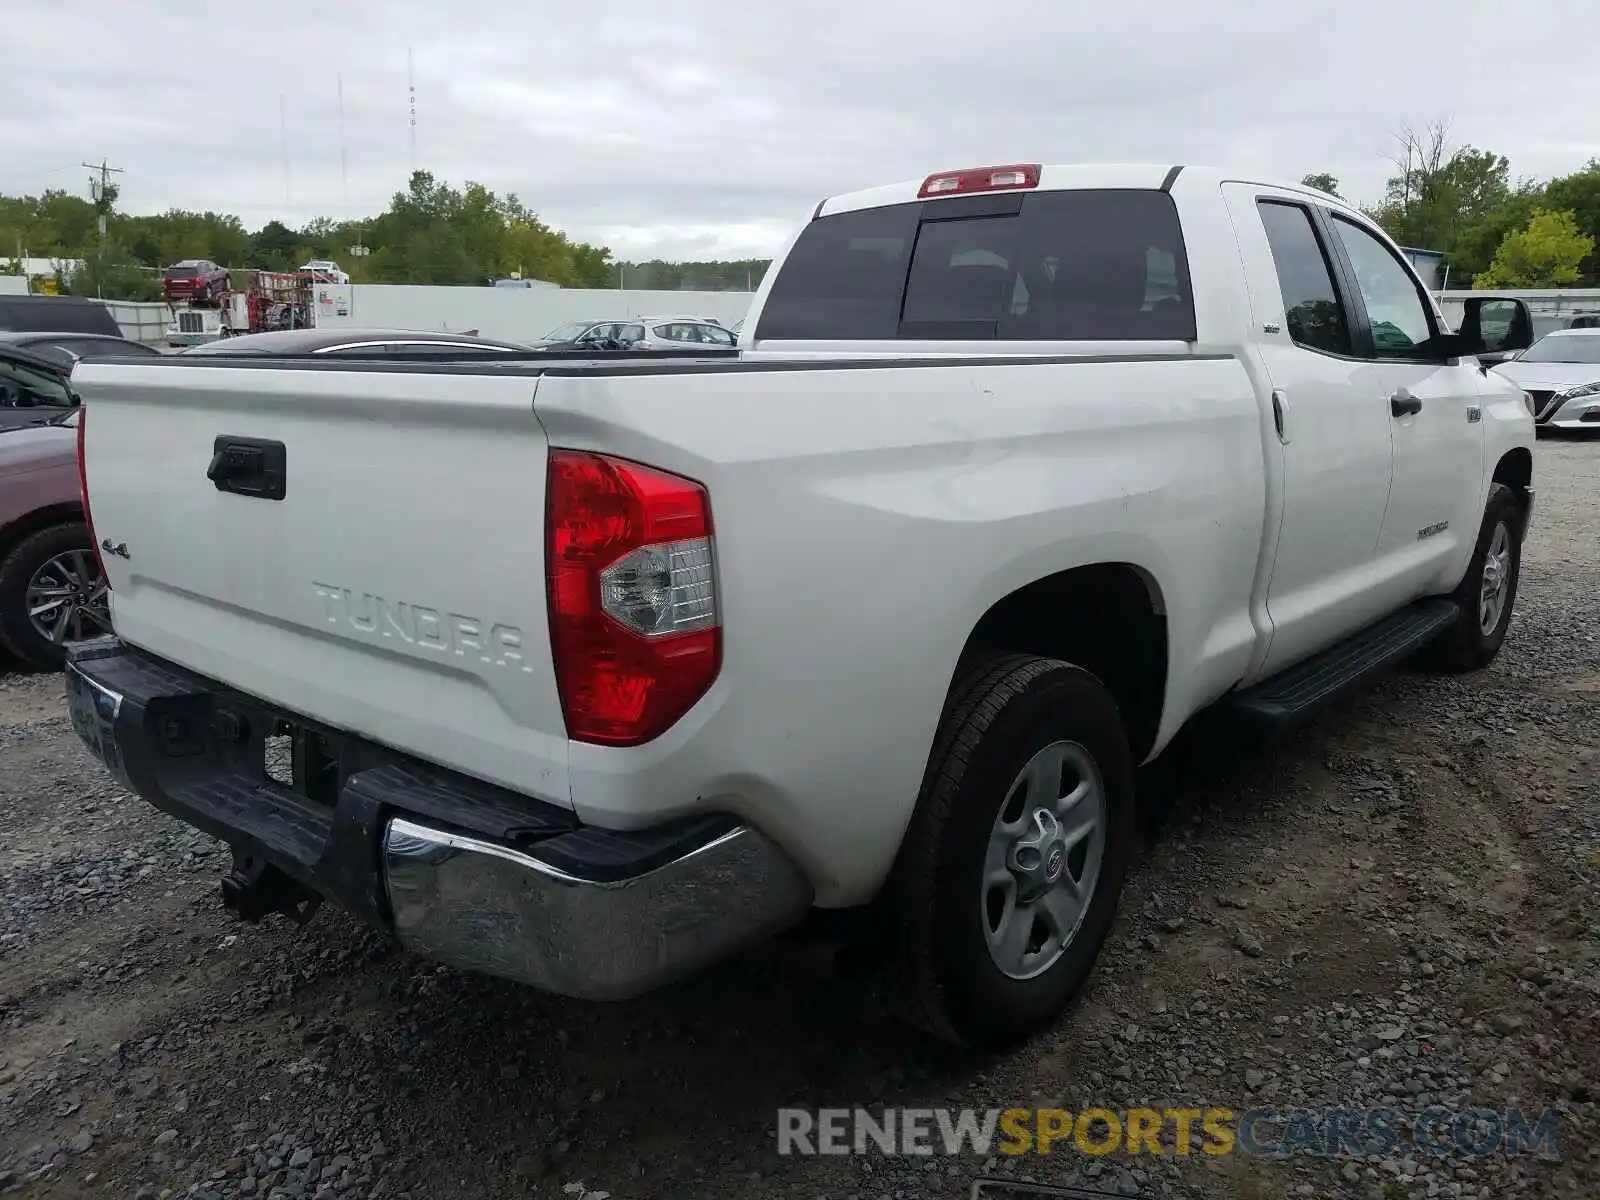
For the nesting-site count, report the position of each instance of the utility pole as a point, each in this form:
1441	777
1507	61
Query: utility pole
411	87
105	194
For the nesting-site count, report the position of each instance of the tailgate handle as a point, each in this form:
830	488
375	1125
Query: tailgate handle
249	467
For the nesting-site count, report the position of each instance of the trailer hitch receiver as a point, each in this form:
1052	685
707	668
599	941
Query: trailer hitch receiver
256	888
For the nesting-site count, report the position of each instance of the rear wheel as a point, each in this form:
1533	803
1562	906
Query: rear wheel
1009	876
52	592
1488	592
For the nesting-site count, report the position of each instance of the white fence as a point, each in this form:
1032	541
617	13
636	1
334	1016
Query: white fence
141	322
519	314
13	285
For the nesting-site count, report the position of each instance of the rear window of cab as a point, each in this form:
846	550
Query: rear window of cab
1089	265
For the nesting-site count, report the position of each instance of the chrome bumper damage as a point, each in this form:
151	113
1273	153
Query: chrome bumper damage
458	870
488	908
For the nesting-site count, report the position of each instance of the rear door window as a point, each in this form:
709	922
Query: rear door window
1069	265
1312	311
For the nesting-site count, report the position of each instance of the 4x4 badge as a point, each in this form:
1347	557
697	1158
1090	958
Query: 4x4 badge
120	549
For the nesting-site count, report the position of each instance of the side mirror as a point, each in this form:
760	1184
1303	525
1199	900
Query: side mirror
1492	325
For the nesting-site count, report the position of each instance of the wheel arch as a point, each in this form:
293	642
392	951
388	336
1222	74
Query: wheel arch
1515	471
1110	618
30	523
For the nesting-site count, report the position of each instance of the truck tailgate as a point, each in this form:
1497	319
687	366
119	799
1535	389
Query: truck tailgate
397	587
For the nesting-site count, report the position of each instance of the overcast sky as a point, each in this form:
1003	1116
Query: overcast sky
689	130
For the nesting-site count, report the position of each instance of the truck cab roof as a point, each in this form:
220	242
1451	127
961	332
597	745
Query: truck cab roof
1052	177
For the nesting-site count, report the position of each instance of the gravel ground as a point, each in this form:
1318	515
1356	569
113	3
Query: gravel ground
1396	907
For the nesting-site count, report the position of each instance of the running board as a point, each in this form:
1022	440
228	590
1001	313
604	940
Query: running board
1298	693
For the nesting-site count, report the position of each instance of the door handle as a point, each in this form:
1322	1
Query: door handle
1278	406
1404	404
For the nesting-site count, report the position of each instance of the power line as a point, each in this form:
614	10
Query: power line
97	190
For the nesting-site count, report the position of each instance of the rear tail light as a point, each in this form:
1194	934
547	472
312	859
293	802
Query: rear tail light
981	179
83	493
634	626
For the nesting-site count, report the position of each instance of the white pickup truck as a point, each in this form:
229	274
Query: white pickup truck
587	671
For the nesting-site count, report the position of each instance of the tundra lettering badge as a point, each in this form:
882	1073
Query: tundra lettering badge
1427	531
376	618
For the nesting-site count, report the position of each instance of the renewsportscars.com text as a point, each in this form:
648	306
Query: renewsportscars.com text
1264	1132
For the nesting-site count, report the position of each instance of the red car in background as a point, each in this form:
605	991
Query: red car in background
195	279
51	588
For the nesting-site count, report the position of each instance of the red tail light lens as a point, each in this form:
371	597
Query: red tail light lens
83	494
634	625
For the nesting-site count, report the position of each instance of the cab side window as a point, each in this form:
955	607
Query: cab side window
1312	311
1395	309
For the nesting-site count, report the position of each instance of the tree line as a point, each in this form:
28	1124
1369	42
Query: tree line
1495	231
430	233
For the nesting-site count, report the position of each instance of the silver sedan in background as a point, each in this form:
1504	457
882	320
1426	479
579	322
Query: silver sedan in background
1561	375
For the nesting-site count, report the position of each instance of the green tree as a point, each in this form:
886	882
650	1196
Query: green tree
735	276
1323	182
53	225
165	238
1439	192
275	247
1474	246
1579	194
111	273
431	232
1544	254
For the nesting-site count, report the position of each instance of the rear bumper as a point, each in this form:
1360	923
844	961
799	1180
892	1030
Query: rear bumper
456	869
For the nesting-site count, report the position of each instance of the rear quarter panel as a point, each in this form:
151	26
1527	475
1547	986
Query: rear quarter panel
39	475
865	520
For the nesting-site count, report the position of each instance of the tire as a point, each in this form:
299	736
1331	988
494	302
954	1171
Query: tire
19	569
1473	641
939	913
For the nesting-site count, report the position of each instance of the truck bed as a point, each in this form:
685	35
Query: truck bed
412	530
